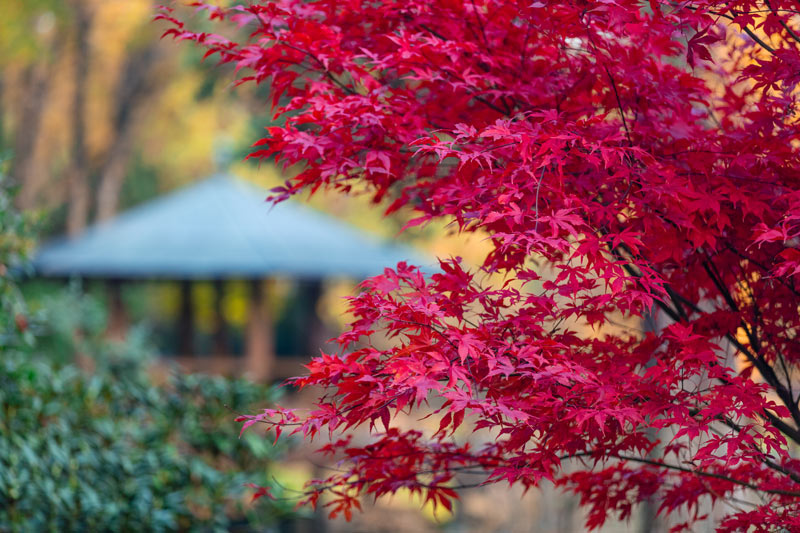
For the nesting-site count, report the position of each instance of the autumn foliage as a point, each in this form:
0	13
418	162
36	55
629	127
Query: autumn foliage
633	334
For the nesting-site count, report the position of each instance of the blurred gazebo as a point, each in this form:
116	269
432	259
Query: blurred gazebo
216	230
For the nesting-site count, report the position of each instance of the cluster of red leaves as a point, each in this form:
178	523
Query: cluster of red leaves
619	175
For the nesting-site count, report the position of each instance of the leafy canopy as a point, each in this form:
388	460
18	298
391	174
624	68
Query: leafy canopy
627	160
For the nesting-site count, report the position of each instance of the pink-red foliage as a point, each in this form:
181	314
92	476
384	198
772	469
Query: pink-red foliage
595	140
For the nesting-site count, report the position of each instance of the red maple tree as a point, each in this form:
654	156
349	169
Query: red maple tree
627	160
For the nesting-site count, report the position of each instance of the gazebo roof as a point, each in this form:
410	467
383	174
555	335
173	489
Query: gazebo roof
221	228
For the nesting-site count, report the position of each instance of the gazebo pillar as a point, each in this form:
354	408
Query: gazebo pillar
259	361
186	320
117	316
316	332
220	343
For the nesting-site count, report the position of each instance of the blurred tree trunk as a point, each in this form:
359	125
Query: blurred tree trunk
35	83
137	85
78	173
649	520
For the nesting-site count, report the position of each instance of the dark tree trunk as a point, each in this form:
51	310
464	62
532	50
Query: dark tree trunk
138	83
78	174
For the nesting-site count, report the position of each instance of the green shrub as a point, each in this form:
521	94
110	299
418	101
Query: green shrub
15	243
112	452
109	450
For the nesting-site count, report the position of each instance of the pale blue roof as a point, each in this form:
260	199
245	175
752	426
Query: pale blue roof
222	228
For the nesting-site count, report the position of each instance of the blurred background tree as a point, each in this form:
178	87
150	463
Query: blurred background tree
98	113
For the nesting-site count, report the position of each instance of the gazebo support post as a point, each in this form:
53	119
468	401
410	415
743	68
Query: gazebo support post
186	320
117	317
220	324
315	329
259	361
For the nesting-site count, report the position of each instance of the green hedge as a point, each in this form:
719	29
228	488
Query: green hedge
112	452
